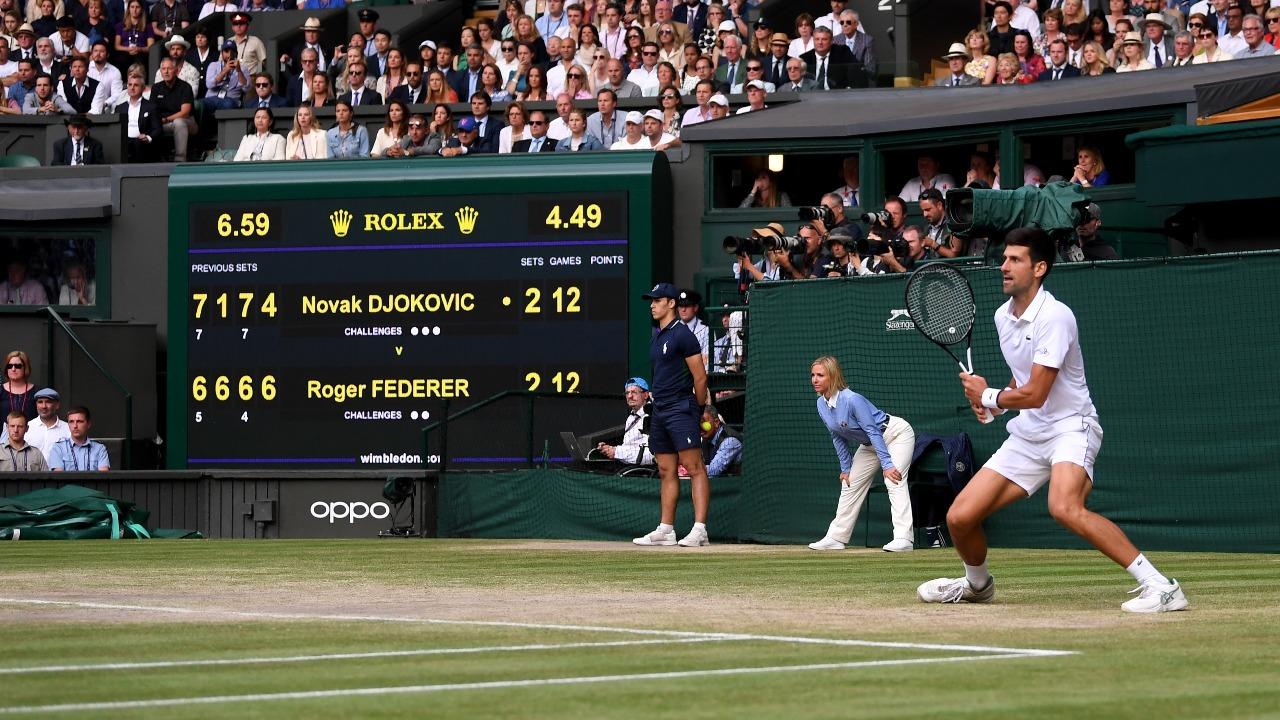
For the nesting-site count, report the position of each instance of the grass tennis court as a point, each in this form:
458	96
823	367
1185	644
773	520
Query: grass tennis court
458	628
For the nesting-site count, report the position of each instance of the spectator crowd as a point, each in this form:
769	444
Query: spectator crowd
36	438
82	57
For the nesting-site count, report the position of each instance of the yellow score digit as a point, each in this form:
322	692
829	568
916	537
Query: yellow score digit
583	216
564	382
268	306
249	225
245	388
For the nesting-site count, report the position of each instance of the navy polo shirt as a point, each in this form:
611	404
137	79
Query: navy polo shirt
671	378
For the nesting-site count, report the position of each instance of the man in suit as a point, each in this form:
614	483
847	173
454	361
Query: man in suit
141	123
1157	44
733	68
1184	45
487	126
956	58
1058	67
77	148
467	81
832	65
797	77
693	14
359	95
263	94
539	142
775	66
78	89
860	43
299	90
413	90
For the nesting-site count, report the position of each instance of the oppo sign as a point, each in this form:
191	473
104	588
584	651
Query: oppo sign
351	512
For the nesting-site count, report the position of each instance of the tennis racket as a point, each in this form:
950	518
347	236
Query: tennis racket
940	303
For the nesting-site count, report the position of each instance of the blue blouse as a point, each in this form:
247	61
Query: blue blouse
854	421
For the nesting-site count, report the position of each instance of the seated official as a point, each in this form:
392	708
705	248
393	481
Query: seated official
16	454
721	445
77	148
79	453
634	448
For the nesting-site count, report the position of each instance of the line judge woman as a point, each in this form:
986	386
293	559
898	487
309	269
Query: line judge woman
866	439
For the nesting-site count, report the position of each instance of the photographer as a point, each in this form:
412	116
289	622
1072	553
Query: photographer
225	79
811	263
898	262
897	210
743	248
844	259
938	240
882	252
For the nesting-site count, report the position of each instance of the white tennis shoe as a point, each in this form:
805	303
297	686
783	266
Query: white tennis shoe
826	543
657	537
899	545
696	538
1157	598
955	590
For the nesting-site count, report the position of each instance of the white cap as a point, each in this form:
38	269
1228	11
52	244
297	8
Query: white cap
720	100
635	117
427	43
756	84
654	113
728	26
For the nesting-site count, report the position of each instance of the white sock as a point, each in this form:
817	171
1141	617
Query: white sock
663	527
700	526
977	575
1144	572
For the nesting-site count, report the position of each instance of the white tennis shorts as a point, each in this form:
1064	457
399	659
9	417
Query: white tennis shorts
1028	464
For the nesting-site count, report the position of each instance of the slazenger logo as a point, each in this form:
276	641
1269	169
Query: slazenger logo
351	511
899	320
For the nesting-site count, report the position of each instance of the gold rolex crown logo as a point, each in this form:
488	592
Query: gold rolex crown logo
467	217
341	222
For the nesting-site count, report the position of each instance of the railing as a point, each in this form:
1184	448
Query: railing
443	423
56	321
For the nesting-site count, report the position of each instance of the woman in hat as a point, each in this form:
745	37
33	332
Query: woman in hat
866	439
1115	54
1134	58
18	395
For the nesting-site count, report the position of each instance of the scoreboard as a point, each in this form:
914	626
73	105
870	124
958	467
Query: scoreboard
322	313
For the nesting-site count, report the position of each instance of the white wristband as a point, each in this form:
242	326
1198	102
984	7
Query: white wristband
990	396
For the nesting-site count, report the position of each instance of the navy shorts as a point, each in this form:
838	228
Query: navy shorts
675	427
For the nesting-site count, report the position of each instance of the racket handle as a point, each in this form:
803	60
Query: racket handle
986	416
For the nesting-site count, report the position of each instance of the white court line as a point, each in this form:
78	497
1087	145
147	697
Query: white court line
344	656
1030	652
499	684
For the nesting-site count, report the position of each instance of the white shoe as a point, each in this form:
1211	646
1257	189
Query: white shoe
826	543
955	590
695	538
1157	598
900	546
657	537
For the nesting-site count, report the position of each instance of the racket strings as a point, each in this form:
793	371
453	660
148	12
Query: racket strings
941	304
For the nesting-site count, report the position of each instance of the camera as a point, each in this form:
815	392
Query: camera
877	218
875	244
789	244
734	245
817	212
830	267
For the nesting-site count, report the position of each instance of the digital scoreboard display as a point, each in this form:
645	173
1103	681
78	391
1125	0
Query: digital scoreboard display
326	332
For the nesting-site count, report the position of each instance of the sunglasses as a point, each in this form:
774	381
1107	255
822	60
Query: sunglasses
754	67
14	366
576	76
665	32
261	85
1195	25
239	23
648	54
847	22
599	57
508	49
413	74
1208	34
537	122
669	97
416	125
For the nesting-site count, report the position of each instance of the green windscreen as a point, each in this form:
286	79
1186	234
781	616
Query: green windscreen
1179	360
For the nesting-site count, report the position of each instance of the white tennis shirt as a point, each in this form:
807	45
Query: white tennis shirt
1046	334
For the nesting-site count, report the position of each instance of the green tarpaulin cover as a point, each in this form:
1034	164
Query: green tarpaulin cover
72	512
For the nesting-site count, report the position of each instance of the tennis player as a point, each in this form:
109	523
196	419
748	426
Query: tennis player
679	394
866	439
1054	439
